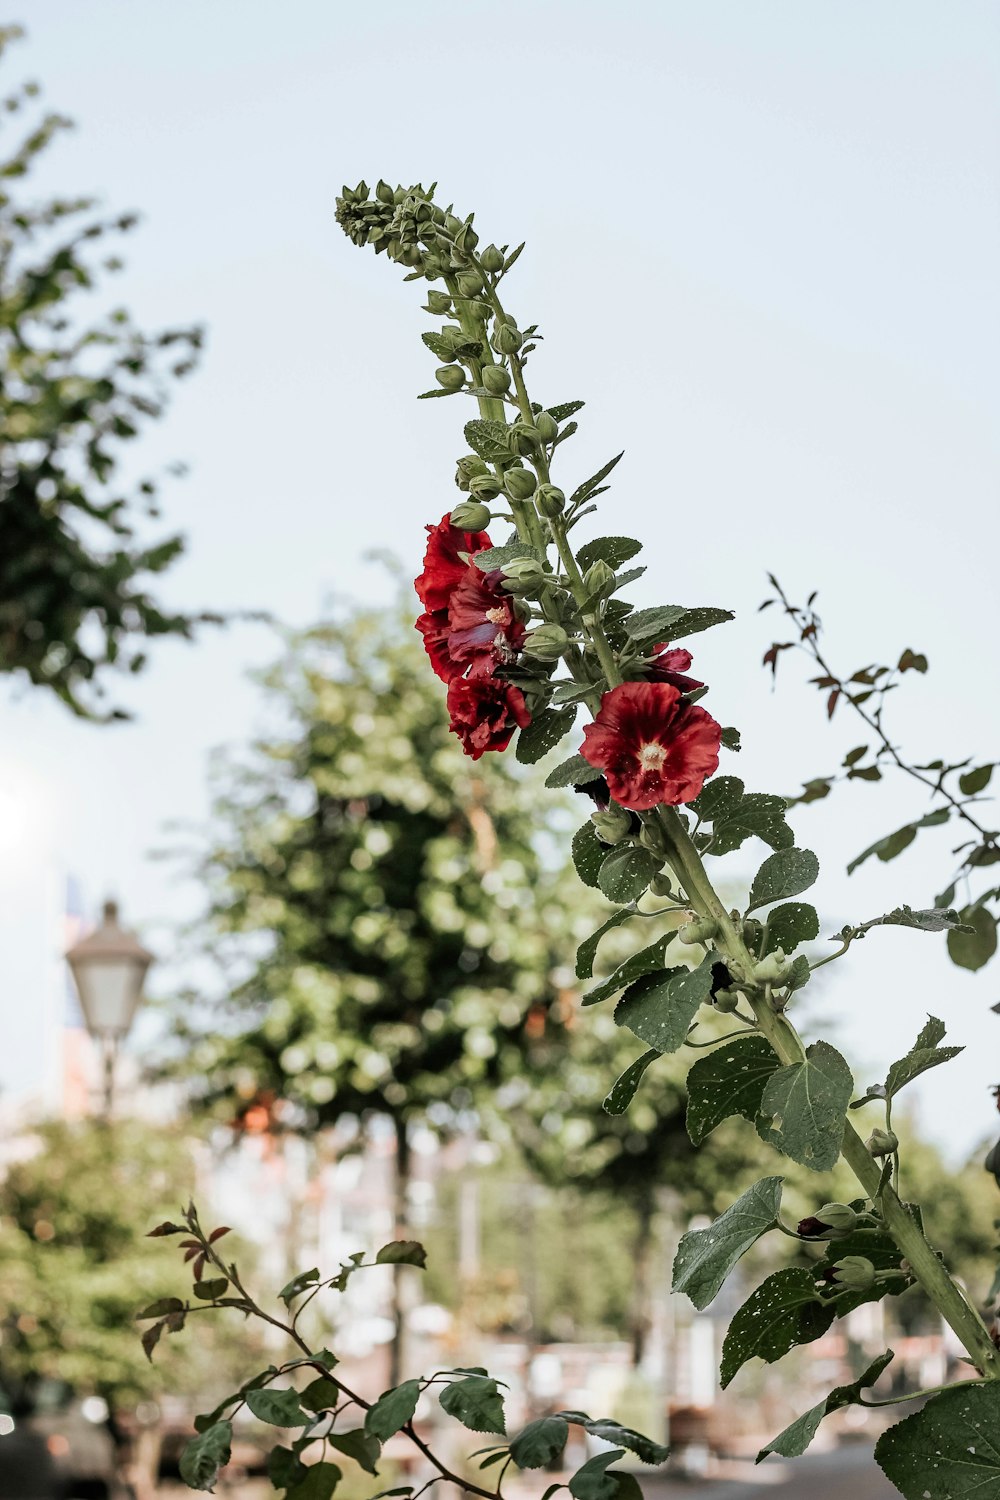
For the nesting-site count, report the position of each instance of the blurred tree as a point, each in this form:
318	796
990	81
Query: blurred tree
71	601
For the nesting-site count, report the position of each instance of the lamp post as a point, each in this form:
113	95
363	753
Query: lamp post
108	968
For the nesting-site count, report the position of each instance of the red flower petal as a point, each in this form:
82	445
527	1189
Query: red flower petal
670	665
444	566
485	711
433	626
652	747
485	631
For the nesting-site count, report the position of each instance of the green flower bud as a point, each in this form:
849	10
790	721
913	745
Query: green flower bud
548	642
882	1142
468	468
438	303
450	377
470	283
467	239
652	837
491	260
701	930
485	486
548	427
383	192
774	969
854	1270
471	515
496	379
410	256
524	576
726	1001
599	577
506	338
660	885
520	483
524	439
753	931
831	1222
612	826
550	500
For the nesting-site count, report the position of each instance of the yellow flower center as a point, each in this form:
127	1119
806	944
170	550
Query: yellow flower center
497	615
651	757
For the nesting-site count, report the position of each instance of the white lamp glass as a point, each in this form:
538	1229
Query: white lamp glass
108	968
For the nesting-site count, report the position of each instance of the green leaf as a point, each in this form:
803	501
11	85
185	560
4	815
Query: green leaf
975	781
588	853
948	1450
719	799
491	558
359	1445
894	843
611	1431
161	1308
790	925
539	1443
971	950
320	1394
573	772
587	951
670	622
626	872
207	1291
279	1407
932	919
205	1455
731	738
804	1107
624	1089
491	440
592	1481
705	1257
785	873
924	1054
799	975
757	814
284	1468
614	550
392	1410
659	1008
544	733
318	1483
796	1438
646	961
298	1285
566	409
584	491
784	1311
476	1403
402	1253
728	1081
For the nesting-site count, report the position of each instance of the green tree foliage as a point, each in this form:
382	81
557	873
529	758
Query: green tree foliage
73	600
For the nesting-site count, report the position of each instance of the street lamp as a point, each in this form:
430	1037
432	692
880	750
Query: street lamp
108	968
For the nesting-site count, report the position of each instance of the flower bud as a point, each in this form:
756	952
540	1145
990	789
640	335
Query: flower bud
830	1222
599	577
525	575
519	483
550	500
548	427
470	283
485	486
548	642
774	969
467	239
469	467
701	930
652	837
491	260
383	192
726	1001
524	438
854	1270
506	338
471	515
611	826
450	377
882	1142
753	931
660	885
496	379
438	303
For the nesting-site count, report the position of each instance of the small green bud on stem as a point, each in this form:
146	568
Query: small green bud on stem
548	642
599	578
726	1001
451	377
855	1271
491	260
470	283
774	969
548	427
438	303
506	338
525	575
496	379
652	837
469	468
660	885
701	930
612	826
471	515
520	484
550	500
830	1222
882	1142
485	486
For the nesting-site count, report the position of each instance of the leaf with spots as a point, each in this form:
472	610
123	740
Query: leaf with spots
791	924
949	1450
787	872
624	1089
659	1008
796	1438
729	1081
589	854
626	872
804	1107
784	1311
705	1257
646	961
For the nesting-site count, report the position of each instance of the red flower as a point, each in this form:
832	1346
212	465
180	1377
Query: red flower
652	746
485	711
444	567
433	626
484	631
670	665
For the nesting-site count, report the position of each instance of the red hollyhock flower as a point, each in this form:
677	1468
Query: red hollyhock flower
484	631
670	666
433	626
652	746
485	711
444	567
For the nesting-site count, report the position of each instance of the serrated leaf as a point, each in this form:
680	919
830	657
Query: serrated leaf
671	622
588	854
298	1285
796	1438
705	1257
925	1053
626	872
205	1455
281	1408
587	951
622	581
614	550
539	1443
787	872
948	1450
320	1394
783	1312
359	1445
489	439
659	1008
564	410
392	1410
475	1402
543	734
728	1081
592	1481
932	919
610	1431
402	1253
646	961
573	772
584	491
491	558
731	738
757	815
971	950
791	924
284	1468
623	1090
804	1107
720	797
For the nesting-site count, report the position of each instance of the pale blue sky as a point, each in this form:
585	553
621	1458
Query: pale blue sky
763	242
